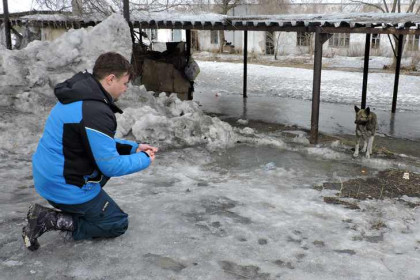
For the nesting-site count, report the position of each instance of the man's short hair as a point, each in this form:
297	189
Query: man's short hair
112	63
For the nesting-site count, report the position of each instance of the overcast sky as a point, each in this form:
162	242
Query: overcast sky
17	5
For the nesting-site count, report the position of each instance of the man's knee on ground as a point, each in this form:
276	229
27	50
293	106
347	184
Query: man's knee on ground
120	227
102	229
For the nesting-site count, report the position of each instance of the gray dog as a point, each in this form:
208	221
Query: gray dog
365	129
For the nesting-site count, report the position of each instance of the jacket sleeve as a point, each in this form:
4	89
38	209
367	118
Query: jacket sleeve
99	124
126	147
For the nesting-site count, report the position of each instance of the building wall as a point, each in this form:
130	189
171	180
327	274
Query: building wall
204	37
287	41
164	35
50	34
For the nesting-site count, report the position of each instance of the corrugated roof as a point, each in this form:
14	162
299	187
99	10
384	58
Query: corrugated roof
173	20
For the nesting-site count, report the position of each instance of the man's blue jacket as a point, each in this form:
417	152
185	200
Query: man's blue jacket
78	146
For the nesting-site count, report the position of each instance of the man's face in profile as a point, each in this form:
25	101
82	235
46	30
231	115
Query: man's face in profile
117	86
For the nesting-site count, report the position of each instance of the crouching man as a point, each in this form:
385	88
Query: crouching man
78	153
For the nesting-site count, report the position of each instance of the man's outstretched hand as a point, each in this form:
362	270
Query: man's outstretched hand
150	150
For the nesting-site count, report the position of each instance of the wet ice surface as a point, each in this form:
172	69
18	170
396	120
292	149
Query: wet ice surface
283	95
248	212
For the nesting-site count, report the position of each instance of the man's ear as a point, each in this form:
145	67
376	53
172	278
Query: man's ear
356	108
367	110
108	79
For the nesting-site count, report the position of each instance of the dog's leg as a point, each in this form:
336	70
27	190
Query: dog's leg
369	146
371	143
365	145
356	148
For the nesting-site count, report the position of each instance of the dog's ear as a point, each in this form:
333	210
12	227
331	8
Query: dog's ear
356	108
367	110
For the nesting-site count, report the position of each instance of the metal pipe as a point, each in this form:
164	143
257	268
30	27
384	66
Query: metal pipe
7	25
316	90
245	62
188	39
365	71
188	50
126	10
397	73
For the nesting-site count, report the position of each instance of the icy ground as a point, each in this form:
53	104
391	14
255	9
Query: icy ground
248	212
211	207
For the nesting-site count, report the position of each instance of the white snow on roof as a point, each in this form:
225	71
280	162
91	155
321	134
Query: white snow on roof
362	18
62	17
176	16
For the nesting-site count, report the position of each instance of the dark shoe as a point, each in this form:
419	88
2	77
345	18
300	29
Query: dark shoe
31	244
42	219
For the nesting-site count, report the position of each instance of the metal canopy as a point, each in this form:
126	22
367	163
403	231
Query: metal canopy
378	23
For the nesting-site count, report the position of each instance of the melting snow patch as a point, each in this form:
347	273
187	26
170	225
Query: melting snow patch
247	131
11	263
243	122
326	153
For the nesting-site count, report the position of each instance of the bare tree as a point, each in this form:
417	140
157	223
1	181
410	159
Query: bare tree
106	7
103	7
392	7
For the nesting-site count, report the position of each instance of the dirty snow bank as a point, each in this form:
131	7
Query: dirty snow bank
27	76
167	122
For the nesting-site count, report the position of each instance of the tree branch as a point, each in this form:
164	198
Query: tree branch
394	6
386	6
411	7
369	4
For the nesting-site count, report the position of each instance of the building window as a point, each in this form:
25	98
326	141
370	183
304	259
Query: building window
214	37
303	39
340	40
152	34
269	42
176	35
413	42
376	40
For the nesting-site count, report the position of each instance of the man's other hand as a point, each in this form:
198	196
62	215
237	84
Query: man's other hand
150	150
146	147
151	154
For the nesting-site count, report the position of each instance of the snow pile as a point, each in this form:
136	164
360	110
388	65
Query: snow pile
27	76
169	122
